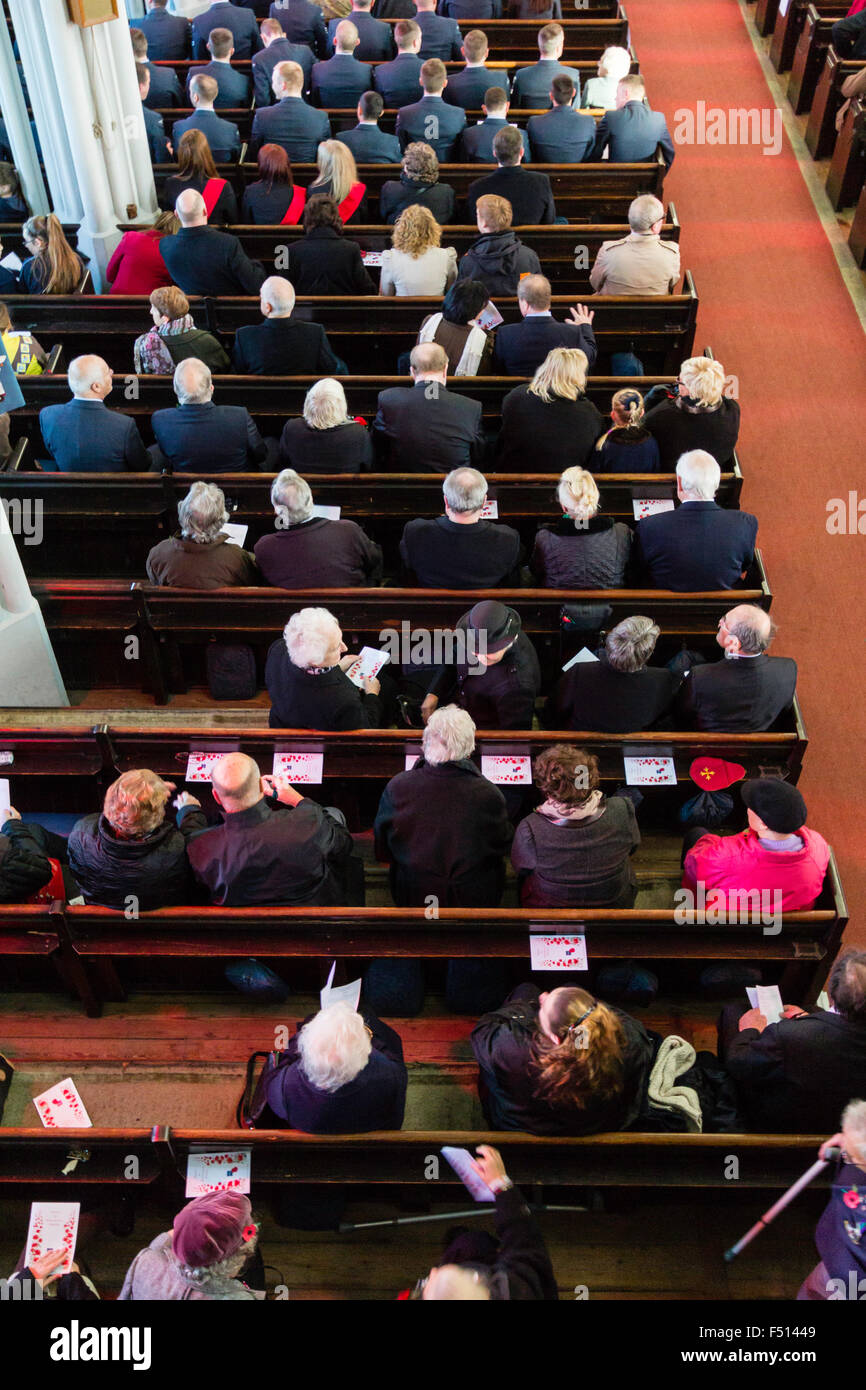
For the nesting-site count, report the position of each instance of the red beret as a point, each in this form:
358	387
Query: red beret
714	774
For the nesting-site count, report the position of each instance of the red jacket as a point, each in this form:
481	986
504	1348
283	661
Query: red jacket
727	862
137	266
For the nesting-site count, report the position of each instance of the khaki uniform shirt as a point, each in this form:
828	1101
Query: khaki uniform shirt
640	263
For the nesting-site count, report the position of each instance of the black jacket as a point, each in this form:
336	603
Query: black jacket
498	260
225	213
266	207
319	554
203	260
340	81
154	869
527	190
445	829
596	557
340	449
519	1269
520	348
503	1045
284	347
399	82
374	1099
209	438
419	433
569	429
698	546
329	701
797	1076
595	697
745	695
401	193
500	697
677	430
24	865
327	263
444	554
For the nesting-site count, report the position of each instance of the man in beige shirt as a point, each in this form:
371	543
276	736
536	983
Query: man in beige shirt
640	263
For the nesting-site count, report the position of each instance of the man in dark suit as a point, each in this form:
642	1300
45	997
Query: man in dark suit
431	119
699	546
399	82
340	81
303	22
234	87
520	348
527	190
283	346
460	550
530	87
84	436
223	15
631	133
278	49
291	123
222	136
440	38
562	135
164	90
376	38
425	428
200	437
202	260
745	692
168	35
368	143
468	88
477	140
160	152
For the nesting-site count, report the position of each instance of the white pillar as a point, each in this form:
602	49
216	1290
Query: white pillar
189	8
29	674
15	115
38	63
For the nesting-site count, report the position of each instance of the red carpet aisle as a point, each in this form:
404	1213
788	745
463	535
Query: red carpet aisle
775	311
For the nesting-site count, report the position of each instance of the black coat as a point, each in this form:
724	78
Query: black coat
284	347
340	81
677	431
797	1076
419	433
698	546
445	554
499	260
340	449
401	193
225	213
273	855
445	830
742	696
503	1045
154	869
203	260
298	128
594	557
326	263
595	697
209	438
569	430
266	207
329	701
24	865
374	1099
527	190
520	348
502	696
319	554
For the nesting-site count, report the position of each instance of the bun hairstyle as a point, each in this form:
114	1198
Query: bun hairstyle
628	407
586	1065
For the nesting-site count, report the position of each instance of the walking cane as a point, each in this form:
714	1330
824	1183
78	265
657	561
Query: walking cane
784	1201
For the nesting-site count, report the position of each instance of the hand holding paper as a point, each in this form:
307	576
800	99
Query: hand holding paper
367	666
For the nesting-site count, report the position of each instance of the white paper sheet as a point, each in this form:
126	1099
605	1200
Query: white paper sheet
200	766
299	767
220	1171
61	1107
372	257
490	511
461	1161
410	761
367	666
329	513
557	952
5	795
582	656
236	533
768	999
650	772
489	317
506	771
12	262
53	1226
340	994
650	506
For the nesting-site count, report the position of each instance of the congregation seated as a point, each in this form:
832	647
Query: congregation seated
274	198
233	87
222	136
418	183
197	436
174	337
618	693
553	406
239	20
699	545
747	690
164	89
440	37
205	261
628	447
324	262
13	204
274	847
84	436
527	190
26	355
154	126
168	35
282	345
575	849
212	1241
196	170
600	92
795	1076
277	49
640	263
338	179
455	328
442	828
632	132
521	348
201	556
341	80
417	120
306	678
131	849
303	23
374	37
314	552
494	672
777	855
367	143
399	81
562	135
562	1062
325	439
136	267
425	427
477	140
290	122
52	266
699	416
460	550
467	88
416	263
498	258
583	550
531	85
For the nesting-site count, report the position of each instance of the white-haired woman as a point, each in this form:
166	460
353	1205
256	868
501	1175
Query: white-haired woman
312	552
306	678
552	407
583	550
841	1273
326	439
700	416
619	693
200	555
338	179
343	1074
600	92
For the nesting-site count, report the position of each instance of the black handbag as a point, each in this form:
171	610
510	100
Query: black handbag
253	1111
231	672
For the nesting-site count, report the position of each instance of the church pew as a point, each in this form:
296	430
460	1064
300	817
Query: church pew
765	16
857	235
847	172
343	118
789	26
821	128
809	56
26	931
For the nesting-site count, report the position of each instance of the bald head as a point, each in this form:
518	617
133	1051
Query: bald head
428	360
193	383
236	782
746	630
454	1283
277	297
89	378
191	209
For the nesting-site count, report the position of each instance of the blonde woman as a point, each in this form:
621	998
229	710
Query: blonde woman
583	550
552	408
628	447
338	179
700	416
600	92
416	263
326	439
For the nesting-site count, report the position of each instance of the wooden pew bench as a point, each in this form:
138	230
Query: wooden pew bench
847	173
857	235
789	26
821	129
810	54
